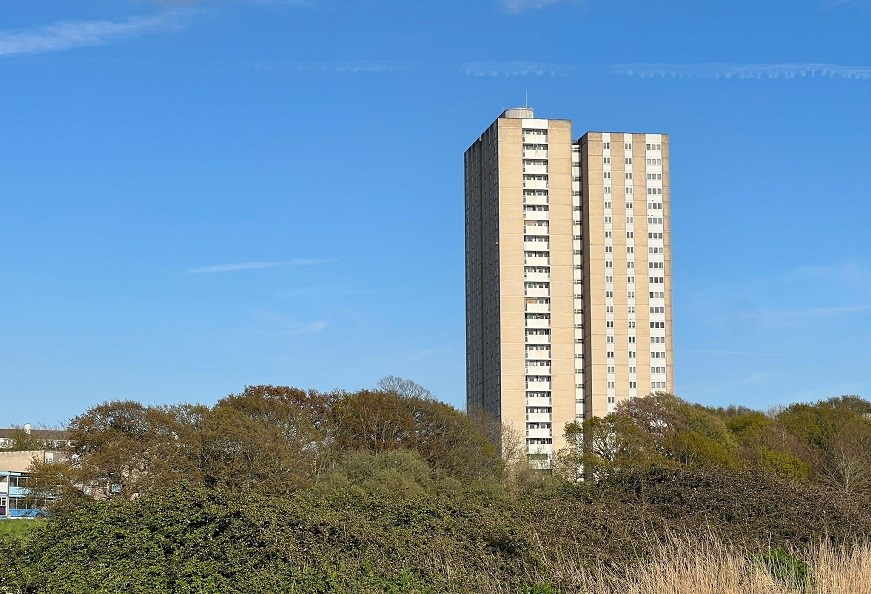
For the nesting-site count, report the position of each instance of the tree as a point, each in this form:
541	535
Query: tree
272	439
125	449
449	440
404	387
764	445
614	443
373	421
836	435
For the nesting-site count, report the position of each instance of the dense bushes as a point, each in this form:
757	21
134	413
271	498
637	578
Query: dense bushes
406	532
281	490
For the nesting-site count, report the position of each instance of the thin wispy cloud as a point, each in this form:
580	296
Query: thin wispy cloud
518	6
305	328
258	265
67	35
733	353
495	69
743	71
327	291
827	4
849	275
332	67
277	324
753	378
816	312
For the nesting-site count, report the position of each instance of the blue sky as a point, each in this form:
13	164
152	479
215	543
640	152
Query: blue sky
197	196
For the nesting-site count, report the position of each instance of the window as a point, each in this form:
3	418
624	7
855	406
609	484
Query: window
606	146
628	160
606	160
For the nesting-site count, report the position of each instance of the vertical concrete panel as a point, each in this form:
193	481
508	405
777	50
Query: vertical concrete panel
562	283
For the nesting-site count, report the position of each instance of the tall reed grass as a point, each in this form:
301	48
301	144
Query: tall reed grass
707	565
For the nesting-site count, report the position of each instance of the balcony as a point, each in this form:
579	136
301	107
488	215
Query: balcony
536	246
535	153
538	339
538	433
538	370
535	200
537	308
537	401
536	215
537	385
538	354
533	169
537	292
536	261
535	323
537	277
538	417
535	184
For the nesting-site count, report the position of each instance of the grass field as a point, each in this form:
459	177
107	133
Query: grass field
18	528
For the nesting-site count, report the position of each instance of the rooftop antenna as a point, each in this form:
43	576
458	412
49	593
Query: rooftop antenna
526	105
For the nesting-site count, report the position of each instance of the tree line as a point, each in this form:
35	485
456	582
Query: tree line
277	440
267	439
277	489
827	442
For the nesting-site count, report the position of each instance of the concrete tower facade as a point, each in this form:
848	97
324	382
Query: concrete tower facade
568	274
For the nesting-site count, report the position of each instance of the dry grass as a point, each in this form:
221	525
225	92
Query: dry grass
708	566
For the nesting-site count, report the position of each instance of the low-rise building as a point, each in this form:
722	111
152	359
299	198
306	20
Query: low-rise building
15	499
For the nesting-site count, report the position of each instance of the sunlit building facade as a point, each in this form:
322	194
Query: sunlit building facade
568	274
